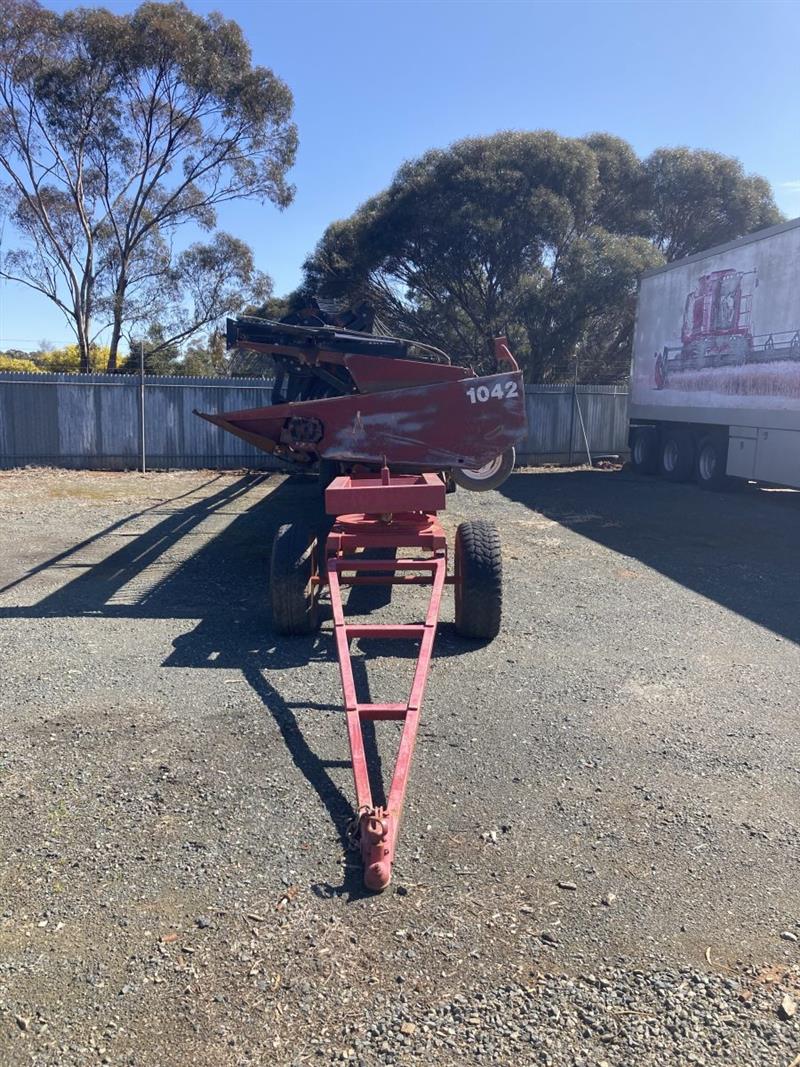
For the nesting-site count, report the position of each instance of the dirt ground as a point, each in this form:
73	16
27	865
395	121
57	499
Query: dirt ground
610	787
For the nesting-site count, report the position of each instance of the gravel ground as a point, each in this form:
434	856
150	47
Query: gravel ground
599	858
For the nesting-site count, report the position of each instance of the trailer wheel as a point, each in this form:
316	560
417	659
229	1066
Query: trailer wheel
293	592
478	579
676	459
712	454
490	475
644	451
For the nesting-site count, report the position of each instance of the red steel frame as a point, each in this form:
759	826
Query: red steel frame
386	512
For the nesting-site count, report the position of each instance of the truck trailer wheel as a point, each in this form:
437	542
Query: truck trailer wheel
490	475
478	579
293	591
676	459
712	458
644	451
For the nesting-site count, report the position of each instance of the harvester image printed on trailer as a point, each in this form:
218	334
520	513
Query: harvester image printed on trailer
346	399
717	330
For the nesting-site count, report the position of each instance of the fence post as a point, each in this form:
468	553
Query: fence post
142	452
583	428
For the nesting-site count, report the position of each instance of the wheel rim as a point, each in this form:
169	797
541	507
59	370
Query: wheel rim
312	587
488	470
707	463
670	456
638	450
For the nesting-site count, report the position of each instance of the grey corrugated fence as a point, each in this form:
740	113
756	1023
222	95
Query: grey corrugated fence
93	421
565	422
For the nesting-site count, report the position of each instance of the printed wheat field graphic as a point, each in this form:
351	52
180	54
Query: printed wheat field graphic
775	379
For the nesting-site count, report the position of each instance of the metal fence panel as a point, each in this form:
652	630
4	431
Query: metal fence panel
92	421
564	419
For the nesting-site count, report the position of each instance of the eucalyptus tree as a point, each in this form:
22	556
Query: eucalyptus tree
116	131
531	234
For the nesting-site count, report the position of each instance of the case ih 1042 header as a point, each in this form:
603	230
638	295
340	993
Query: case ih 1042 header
386	431
344	398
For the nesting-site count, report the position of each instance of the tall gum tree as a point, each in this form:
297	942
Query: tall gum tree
115	131
535	235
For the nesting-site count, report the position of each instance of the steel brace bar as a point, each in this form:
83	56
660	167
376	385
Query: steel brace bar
378	827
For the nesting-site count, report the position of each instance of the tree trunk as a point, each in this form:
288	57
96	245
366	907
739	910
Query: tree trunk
111	366
116	330
83	346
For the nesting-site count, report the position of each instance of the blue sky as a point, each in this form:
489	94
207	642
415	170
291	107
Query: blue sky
376	83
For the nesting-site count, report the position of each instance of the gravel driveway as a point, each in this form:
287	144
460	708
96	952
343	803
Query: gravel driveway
599	857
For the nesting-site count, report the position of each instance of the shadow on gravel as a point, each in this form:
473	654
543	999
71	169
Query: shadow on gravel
225	585
739	549
96	588
235	632
62	557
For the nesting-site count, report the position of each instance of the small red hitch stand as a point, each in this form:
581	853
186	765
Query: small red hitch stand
389	513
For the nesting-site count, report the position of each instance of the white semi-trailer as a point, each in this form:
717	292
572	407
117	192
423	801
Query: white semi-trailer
715	381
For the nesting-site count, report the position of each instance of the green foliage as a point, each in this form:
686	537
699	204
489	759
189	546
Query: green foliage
699	199
18	364
534	235
115	130
155	350
273	307
67	360
206	360
64	360
202	359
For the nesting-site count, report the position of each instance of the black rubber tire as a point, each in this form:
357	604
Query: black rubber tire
710	464
293	593
644	451
676	456
478	579
467	480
